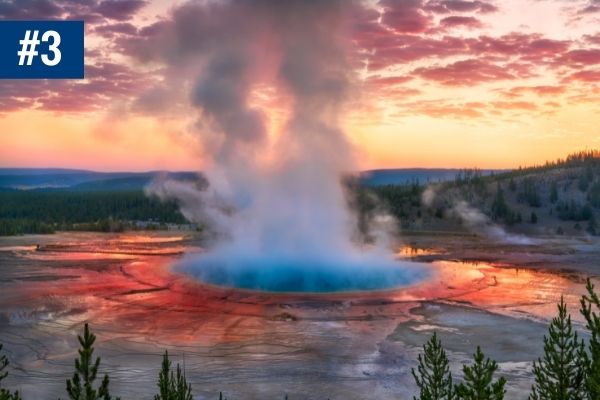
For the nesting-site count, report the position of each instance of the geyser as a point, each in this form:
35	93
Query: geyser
275	205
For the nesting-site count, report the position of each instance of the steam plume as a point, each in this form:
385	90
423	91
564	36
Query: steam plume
285	219
479	223
476	221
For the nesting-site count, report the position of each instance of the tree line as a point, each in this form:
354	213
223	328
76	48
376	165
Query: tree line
569	369
559	192
24	212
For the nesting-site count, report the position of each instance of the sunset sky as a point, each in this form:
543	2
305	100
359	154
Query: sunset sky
435	83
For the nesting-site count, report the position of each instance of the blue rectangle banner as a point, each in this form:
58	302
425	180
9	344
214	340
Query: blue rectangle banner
41	50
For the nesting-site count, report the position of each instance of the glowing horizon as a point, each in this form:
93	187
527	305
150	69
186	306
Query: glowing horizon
437	84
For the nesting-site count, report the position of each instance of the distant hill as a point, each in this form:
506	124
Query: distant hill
25	178
42	171
131	182
557	198
402	176
79	180
84	180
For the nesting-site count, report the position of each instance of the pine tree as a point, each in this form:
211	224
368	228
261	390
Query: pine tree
3	365
592	227
499	206
478	380
589	303
560	374
534	218
173	387
164	382
553	193
433	375
80	387
5	394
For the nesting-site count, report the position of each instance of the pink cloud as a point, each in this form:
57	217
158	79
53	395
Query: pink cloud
398	34
457	21
120	28
582	56
592	7
584	76
526	46
391	48
444	109
466	72
447	6
594	39
388	80
119	9
405	16
540	90
514	105
92	11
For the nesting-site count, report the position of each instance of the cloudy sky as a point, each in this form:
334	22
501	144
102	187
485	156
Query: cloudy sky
434	83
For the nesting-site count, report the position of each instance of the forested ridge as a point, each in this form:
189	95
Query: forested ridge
559	197
46	211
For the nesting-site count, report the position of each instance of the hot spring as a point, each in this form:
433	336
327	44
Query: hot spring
289	274
278	207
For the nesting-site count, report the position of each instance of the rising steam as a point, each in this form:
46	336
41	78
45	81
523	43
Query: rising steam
476	221
275	202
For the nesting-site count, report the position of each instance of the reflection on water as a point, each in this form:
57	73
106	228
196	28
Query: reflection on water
17	248
506	290
143	239
412	251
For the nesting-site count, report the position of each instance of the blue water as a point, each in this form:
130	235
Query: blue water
294	275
